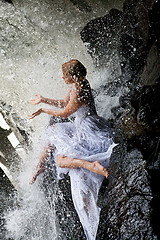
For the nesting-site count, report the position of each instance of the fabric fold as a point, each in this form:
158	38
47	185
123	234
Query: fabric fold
88	138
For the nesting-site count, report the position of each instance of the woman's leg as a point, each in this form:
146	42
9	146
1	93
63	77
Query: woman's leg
40	168
96	167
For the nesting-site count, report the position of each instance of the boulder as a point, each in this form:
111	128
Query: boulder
127	206
130	199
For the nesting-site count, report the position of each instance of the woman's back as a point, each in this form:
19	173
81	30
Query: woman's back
85	95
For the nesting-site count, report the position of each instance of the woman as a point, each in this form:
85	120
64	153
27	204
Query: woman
78	146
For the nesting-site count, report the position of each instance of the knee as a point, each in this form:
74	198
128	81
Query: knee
60	161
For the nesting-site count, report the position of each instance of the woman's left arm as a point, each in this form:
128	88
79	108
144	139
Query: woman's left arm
73	105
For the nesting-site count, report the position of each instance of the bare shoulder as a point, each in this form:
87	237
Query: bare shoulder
74	91
67	97
83	95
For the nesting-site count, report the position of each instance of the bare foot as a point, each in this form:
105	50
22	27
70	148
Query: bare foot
99	169
96	167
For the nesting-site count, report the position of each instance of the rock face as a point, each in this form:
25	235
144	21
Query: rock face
6	189
127	210
131	207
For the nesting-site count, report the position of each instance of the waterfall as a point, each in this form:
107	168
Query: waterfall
38	37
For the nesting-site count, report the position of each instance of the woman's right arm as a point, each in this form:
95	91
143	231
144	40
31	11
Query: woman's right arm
57	103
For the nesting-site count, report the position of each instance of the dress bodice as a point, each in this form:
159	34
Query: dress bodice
85	111
88	138
82	113
88	107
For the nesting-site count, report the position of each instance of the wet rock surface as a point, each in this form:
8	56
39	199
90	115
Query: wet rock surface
127	209
130	199
59	192
6	190
101	36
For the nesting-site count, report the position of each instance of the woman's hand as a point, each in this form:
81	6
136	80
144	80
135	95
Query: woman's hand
38	112
36	100
35	174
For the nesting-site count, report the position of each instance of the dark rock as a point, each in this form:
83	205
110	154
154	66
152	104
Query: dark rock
155	178
82	5
59	192
16	124
9	1
154	20
134	34
125	33
127	212
139	111
6	190
101	35
8	153
151	71
128	124
149	107
131	199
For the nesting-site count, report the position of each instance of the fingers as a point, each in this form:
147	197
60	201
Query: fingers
36	100
31	116
35	114
33	102
32	180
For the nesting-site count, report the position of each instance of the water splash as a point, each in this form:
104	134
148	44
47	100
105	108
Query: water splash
33	214
32	54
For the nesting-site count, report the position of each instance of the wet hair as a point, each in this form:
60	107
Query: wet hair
78	72
75	69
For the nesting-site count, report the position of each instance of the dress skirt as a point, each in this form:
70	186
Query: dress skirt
89	138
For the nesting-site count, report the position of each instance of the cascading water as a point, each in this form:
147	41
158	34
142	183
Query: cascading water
33	51
33	215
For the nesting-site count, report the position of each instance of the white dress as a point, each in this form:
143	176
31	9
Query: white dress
87	138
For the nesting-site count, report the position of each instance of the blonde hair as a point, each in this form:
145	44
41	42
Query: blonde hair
75	69
78	72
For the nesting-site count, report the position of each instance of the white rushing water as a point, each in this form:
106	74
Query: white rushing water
38	38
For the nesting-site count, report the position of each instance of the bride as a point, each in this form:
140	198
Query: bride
81	148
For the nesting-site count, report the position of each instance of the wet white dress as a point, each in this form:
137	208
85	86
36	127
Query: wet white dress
87	137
